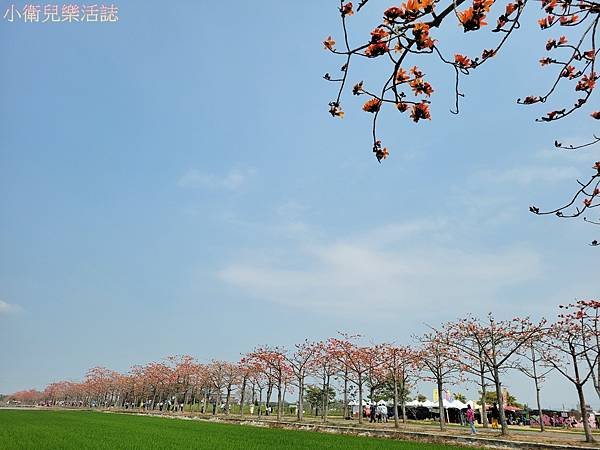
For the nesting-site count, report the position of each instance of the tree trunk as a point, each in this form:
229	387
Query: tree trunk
268	399
441	404
218	401
301	398
360	400
596	377
539	405
500	402
403	397
584	414
243	396
186	398
227	399
396	421
279	401
595	371
326	400
579	386
205	401
346	415
537	388
484	419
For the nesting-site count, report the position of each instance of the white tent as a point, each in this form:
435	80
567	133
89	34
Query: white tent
426	403
429	404
354	406
455	404
355	403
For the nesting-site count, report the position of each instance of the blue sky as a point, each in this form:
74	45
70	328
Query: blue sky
173	184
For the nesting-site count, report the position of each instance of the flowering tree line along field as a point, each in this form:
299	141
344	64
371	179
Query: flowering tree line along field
406	39
471	349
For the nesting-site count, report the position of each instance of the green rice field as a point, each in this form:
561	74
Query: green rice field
51	429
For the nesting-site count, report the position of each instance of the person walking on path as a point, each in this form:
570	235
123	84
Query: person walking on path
471	419
495	416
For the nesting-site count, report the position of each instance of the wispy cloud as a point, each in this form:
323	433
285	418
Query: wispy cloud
232	180
403	271
564	155
8	308
529	175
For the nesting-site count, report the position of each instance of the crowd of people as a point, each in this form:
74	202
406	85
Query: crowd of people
377	413
564	420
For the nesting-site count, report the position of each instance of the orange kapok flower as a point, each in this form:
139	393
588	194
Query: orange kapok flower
416	72
378	34
401	76
419	86
568	72
420	111
346	9
414	6
549	5
376	49
382	153
462	61
393	13
473	18
357	89
373	105
587	82
488	54
336	110
421	33
546	22
510	8
564	20
329	43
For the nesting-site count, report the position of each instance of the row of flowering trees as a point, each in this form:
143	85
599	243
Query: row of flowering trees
471	349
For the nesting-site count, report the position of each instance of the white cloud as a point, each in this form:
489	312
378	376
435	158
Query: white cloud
397	232
233	180
291	210
564	155
8	308
549	164
529	175
403	271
